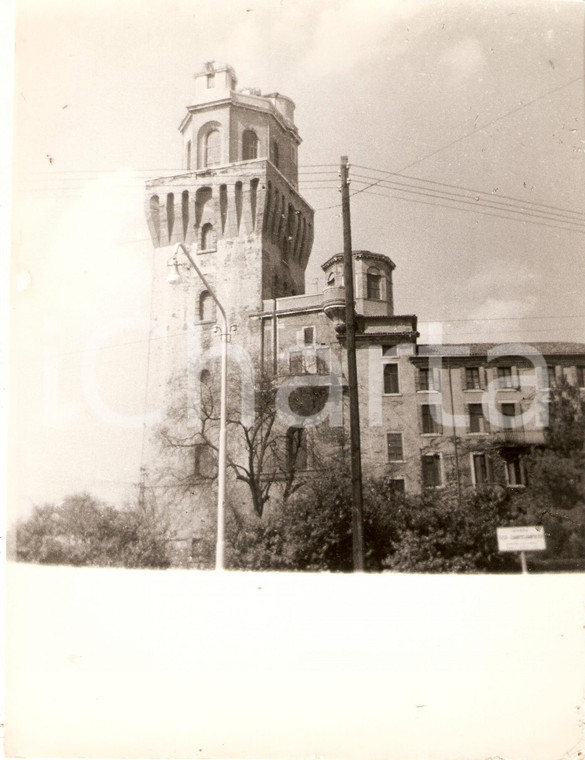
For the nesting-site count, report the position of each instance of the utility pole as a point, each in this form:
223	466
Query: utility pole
354	410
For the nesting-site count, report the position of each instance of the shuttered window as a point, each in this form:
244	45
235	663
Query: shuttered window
394	443
431	470
391	383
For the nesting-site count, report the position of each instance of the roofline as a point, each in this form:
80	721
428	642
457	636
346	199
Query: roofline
266	106
360	254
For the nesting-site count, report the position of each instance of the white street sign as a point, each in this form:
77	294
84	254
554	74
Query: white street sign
525	538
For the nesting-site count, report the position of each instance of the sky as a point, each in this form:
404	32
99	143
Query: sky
463	124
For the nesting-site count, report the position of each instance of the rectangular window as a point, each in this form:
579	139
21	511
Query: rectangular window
429	379
394	442
323	361
373	286
472	378
581	377
391	384
543	413
296	449
515	471
551	377
508	413
210	81
308	336
431	419
505	377
431	470
477	422
481	469
295	363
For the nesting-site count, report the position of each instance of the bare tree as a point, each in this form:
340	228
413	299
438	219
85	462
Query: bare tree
262	452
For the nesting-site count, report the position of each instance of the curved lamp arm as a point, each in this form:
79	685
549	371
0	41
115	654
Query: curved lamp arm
210	290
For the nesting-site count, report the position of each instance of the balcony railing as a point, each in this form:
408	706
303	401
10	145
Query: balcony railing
520	436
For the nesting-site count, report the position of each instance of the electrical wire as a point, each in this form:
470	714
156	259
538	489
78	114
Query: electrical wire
494	203
469	134
475	211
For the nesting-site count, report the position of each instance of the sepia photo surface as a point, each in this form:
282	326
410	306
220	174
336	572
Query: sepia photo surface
296	379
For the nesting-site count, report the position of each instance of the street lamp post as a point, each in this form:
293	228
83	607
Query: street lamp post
174	278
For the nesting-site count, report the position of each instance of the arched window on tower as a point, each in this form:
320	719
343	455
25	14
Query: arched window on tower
170	213
206	311
185	212
274	153
249	145
155	217
206	395
212	150
208	242
374	279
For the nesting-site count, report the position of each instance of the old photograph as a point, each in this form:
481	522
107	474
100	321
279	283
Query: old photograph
296	379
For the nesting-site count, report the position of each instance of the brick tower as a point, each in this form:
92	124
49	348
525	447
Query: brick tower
237	207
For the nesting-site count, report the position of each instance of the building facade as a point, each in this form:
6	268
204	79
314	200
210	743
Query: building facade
430	414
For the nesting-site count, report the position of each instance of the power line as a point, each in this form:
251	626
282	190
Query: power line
489	124
478	203
474	211
491	201
468	134
444	321
494	202
471	190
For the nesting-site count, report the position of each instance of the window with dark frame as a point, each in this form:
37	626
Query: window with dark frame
323	361
394	447
508	413
472	378
551	376
373	280
431	470
515	470
274	153
296	449
481	469
581	377
477	421
212	148
505	377
391	382
208	242
429	379
206	307
249	145
296	363
431	419
308	336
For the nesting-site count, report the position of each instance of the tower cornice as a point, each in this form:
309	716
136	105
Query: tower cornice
242	100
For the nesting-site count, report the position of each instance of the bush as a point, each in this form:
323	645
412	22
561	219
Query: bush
84	531
313	531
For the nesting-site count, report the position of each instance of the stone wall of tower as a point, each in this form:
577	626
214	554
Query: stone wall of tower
249	232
